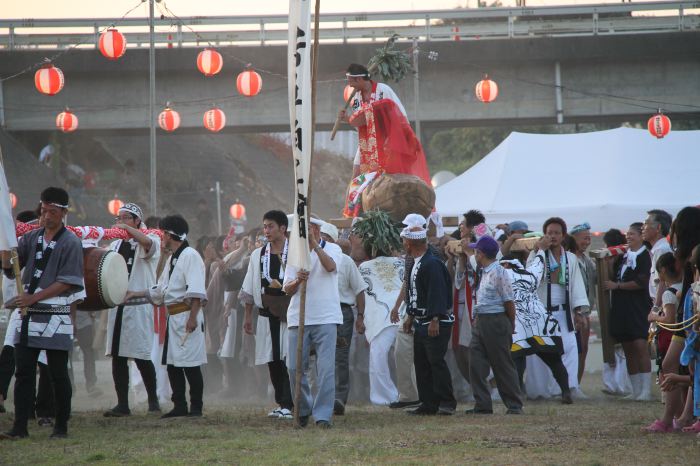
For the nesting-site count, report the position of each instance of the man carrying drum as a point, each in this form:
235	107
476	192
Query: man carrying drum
130	327
53	281
181	289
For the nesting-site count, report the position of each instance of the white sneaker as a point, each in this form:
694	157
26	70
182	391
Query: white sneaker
495	396
284	413
275	413
577	394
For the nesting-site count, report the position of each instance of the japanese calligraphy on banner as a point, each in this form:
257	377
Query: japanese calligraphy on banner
299	84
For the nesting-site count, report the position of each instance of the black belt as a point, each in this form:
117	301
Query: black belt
61	310
558	307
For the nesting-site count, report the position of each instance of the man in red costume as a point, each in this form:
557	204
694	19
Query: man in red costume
387	144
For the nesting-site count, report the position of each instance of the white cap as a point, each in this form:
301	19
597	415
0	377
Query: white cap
415	227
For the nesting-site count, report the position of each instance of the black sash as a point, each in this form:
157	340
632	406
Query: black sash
567	305
41	259
173	261
128	252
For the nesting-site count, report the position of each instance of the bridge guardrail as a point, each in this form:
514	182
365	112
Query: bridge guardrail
436	25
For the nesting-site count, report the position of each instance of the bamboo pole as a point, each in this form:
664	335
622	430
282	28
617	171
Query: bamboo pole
14	258
608	343
302	297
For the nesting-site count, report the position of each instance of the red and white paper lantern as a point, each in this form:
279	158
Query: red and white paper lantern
237	211
249	83
659	125
66	121
169	120
486	90
209	62
112	44
114	205
214	120
48	79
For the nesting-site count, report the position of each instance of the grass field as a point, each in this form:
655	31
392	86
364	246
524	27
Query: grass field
597	431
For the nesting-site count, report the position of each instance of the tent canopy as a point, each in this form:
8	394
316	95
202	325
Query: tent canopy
607	178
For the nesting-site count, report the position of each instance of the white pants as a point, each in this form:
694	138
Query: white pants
539	382
405	372
382	389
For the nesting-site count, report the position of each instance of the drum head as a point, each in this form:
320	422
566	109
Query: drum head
113	279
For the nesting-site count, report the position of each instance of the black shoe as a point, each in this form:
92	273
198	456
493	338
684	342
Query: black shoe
478	411
566	398
514	411
422	410
117	411
45	422
175	412
303	421
323	424
59	434
12	435
195	413
338	408
404	404
446	410
153	407
2	409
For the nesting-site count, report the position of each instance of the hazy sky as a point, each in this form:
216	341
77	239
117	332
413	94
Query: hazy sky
106	8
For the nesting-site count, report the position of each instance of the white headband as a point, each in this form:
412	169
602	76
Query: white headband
363	75
415	234
182	237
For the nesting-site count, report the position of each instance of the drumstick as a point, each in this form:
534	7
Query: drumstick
183	340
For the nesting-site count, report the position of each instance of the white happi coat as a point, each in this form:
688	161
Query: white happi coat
136	338
263	338
539	381
182	285
384	278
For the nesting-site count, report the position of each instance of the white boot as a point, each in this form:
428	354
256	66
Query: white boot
644	380
635	382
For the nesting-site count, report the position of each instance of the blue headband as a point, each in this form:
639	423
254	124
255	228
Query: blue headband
578	228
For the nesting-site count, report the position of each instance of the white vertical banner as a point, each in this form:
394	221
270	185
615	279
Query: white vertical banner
299	84
8	238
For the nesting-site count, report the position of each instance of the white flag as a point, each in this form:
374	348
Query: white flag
8	238
299	83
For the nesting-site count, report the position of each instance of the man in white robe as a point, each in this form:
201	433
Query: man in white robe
181	288
130	327
265	276
563	292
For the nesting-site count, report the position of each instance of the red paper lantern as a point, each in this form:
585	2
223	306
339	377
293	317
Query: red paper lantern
13	200
209	62
114	205
347	92
659	125
112	44
66	121
214	120
48	79
169	119
249	83
237	211
486	90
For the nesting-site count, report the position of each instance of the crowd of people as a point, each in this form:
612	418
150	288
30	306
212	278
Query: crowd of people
406	317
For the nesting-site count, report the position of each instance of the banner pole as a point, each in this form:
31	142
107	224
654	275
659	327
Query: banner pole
302	298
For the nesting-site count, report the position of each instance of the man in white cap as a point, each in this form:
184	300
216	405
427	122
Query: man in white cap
130	327
351	288
322	317
429	296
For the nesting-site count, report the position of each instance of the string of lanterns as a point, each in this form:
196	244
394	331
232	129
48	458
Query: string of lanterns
236	211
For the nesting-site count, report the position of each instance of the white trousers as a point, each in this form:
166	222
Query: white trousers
405	372
539	382
382	389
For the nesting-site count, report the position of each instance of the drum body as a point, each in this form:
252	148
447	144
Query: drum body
106	279
398	195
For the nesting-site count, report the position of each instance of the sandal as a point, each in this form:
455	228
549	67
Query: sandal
658	427
693	428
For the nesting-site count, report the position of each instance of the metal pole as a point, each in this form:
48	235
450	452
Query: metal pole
218	205
416	88
152	105
557	93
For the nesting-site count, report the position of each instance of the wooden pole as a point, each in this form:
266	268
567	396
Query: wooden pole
302	297
604	311
15	258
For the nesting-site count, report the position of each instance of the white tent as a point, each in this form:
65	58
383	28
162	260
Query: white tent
607	178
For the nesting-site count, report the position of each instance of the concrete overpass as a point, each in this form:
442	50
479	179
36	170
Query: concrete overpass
550	74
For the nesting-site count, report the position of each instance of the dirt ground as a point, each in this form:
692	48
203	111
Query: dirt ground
600	430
